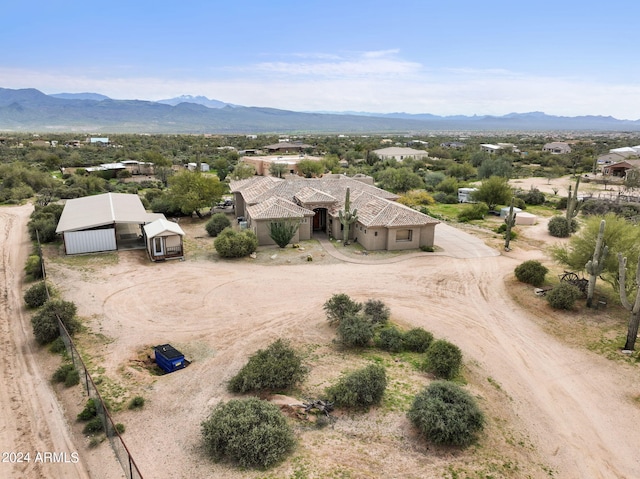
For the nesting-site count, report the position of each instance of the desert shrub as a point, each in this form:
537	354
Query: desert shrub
45	322
89	412
277	367
519	203
339	306
136	403
390	339
560	227
60	374
359	389
235	244
376	311
33	267
443	359
532	197
217	223
248	432
36	295
417	340
563	296
120	428
475	211
72	378
355	331
93	426
282	232
57	346
445	198
446	414
44	220
531	272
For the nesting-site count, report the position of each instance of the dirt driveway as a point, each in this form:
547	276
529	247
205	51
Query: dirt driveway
571	412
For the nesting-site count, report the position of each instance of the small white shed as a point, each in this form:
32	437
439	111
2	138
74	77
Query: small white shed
164	240
504	212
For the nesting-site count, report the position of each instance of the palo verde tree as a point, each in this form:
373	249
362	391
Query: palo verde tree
634	319
595	266
283	231
191	191
347	218
494	191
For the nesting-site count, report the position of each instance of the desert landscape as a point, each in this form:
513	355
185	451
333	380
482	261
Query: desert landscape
552	409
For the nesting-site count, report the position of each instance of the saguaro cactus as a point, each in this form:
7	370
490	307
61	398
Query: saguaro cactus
510	221
347	218
595	266
634	319
572	203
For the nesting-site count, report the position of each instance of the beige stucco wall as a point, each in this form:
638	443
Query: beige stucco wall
372	239
261	230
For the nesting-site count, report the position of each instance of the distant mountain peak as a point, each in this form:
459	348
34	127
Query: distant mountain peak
80	96
197	99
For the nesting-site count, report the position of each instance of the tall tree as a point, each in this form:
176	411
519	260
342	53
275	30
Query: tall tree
191	191
494	191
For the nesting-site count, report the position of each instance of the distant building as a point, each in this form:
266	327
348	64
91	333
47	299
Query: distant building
557	148
399	154
453	144
99	141
262	164
287	147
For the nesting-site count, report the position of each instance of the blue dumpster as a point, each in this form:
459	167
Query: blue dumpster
169	358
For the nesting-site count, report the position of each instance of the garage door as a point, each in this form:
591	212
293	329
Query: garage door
76	242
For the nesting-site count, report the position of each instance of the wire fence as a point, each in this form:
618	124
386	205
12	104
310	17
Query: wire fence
115	439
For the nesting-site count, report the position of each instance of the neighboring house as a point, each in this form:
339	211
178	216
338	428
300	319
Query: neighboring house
399	154
453	144
315	203
287	147
489	148
557	148
620	168
262	164
164	240
617	155
99	141
204	167
105	222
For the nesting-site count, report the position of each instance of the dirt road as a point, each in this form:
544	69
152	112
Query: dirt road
31	421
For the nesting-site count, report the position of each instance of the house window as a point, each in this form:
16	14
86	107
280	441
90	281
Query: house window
404	235
375	233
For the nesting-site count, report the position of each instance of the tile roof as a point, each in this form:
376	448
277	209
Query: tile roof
277	208
376	207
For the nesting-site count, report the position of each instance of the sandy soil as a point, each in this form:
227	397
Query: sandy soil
552	410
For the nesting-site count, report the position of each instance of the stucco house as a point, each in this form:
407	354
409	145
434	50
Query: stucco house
383	224
621	168
399	153
557	148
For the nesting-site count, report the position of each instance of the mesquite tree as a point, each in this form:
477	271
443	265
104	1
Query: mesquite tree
510	221
595	266
347	218
634	319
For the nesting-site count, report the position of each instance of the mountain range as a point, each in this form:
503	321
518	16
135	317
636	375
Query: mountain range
30	110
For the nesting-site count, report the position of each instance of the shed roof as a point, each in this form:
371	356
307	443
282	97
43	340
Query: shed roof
99	210
161	225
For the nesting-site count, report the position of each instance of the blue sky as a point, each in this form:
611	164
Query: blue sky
562	57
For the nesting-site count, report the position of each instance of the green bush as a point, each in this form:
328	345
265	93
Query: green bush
248	432
376	311
235	244
89	412
443	359
282	232
33	267
36	295
475	211
93	426
136	403
359	389
73	378
417	340
45	323
446	414
60	374
217	223
339	306
278	367
560	227
355	331
563	296
532	197
390	339
531	272
120	428
57	346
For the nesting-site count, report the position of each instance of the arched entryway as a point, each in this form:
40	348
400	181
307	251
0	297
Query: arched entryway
320	219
